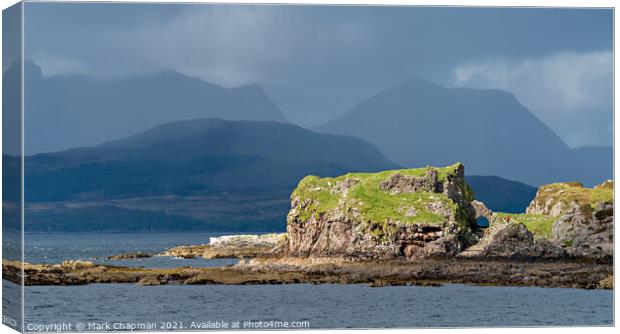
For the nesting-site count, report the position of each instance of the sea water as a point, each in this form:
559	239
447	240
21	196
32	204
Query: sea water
200	307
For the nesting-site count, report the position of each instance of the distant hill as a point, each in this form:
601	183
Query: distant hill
418	123
206	174
67	111
500	194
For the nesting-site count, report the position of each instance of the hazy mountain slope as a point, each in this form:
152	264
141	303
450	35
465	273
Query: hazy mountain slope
591	165
198	157
418	123
234	175
500	194
205	174
66	111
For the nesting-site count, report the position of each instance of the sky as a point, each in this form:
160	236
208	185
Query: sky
318	62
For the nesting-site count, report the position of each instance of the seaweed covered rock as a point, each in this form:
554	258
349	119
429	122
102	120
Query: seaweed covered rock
399	213
128	256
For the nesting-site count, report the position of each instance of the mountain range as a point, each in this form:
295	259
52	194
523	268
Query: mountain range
205	174
418	123
500	194
201	174
197	156
66	111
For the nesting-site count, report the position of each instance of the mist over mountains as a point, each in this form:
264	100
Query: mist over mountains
67	111
205	174
417	123
198	157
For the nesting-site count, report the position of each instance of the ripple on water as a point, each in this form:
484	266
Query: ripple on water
325	306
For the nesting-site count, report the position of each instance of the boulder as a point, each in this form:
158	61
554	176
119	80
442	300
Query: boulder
512	240
186	252
152	281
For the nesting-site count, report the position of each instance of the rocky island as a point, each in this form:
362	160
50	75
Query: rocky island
397	227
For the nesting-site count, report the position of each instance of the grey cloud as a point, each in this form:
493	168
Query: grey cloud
571	92
316	62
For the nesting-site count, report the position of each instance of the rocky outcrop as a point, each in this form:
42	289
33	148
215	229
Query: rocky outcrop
481	210
406	213
608	185
584	227
399	183
557	198
606	283
428	272
512	241
186	252
435	271
85	272
233	246
153	280
248	240
586	232
550	199
565	220
243	246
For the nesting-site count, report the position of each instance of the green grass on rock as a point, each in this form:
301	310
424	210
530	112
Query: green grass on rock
539	225
373	203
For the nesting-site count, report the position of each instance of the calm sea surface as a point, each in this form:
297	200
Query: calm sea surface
128	306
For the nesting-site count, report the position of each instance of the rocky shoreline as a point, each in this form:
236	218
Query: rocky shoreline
235	246
404	227
286	270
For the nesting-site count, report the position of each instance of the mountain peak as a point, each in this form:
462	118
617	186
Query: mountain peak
418	83
31	69
418	123
89	112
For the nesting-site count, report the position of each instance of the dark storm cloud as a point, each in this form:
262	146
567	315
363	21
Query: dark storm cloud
318	61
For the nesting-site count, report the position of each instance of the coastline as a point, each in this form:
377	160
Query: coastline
398	227
287	270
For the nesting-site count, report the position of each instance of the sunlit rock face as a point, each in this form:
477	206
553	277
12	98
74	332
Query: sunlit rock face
399	213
